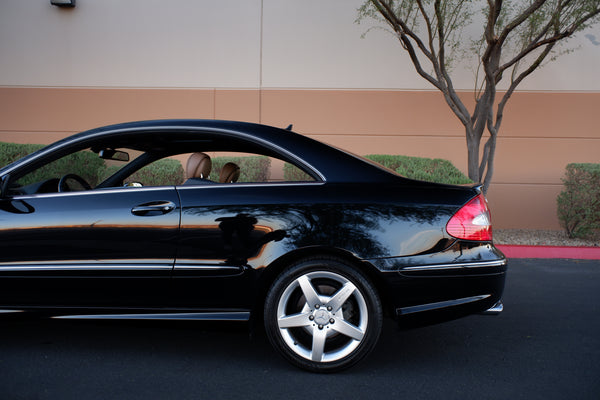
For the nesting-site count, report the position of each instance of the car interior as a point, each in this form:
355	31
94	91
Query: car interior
152	160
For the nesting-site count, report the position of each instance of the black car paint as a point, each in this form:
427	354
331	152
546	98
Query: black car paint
221	244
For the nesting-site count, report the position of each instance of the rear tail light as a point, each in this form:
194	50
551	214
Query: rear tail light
472	221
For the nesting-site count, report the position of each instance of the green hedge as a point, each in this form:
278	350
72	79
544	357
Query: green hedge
91	167
291	173
10	152
252	168
165	172
423	169
85	164
579	202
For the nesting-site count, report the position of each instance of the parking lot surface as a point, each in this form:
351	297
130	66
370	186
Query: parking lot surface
545	345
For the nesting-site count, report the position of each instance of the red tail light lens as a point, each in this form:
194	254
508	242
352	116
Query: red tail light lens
472	221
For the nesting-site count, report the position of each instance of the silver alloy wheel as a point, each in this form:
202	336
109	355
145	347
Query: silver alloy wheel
326	307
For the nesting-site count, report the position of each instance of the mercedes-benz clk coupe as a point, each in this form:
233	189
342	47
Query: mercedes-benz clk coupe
260	224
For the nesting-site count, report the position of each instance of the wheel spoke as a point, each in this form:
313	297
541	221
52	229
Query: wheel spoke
341	296
309	291
318	344
322	319
347	329
294	320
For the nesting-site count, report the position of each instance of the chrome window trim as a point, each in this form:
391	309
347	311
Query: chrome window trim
250	184
93	192
435	267
159	188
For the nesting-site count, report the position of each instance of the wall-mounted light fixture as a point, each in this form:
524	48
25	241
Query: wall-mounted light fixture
63	3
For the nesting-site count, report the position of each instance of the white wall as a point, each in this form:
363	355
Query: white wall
207	43
131	43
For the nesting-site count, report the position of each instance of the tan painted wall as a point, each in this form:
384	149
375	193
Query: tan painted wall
542	132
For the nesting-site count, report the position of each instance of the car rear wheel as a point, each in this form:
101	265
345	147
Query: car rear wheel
323	315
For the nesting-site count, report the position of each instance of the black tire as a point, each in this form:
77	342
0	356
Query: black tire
336	332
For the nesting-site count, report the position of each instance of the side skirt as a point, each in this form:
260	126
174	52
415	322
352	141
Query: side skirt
439	305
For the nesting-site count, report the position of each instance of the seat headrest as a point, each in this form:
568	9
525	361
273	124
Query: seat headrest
198	165
230	173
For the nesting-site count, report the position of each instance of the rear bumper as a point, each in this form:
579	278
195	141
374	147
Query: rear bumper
444	290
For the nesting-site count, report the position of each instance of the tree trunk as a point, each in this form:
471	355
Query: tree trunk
490	156
473	142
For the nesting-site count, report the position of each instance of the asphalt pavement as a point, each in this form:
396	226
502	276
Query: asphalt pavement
545	345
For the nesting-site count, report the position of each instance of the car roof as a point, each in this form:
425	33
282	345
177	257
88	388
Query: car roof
180	136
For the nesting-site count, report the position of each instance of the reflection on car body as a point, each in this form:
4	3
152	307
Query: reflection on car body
320	258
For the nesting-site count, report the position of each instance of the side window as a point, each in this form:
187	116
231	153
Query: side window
87	169
231	167
164	172
80	170
291	173
252	168
85	164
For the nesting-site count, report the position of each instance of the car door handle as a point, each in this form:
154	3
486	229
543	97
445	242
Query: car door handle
153	208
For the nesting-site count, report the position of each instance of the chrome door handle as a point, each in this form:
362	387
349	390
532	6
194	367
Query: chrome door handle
153	208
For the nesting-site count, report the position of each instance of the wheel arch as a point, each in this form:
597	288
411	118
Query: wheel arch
273	270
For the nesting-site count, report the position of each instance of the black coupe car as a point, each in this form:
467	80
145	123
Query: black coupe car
221	220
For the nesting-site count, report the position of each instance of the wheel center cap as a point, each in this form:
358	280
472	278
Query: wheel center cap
322	317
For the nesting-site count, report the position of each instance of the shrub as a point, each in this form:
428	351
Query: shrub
10	152
84	163
424	169
165	172
579	202
292	173
108	171
252	168
91	167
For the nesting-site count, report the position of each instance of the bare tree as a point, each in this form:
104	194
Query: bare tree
517	37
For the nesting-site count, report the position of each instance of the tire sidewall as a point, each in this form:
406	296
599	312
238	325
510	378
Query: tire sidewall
363	285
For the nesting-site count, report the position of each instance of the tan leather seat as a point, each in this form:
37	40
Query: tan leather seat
197	170
229	173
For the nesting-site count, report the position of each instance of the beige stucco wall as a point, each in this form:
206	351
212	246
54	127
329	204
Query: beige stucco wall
280	62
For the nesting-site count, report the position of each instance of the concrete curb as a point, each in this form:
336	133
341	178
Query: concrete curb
578	253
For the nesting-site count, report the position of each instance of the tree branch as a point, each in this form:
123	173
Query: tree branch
451	94
517	81
522	17
537	43
433	56
386	10
406	34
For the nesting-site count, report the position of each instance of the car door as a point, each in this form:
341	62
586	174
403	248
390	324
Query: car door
229	233
224	238
99	248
